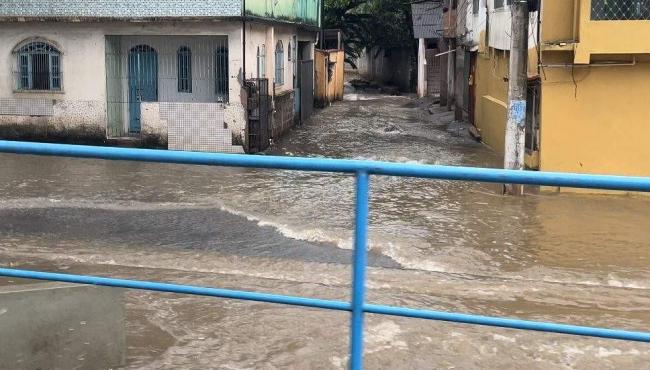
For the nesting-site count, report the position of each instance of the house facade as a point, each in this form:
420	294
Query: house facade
588	74
168	73
428	30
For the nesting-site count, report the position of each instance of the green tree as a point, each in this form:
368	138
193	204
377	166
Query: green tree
370	23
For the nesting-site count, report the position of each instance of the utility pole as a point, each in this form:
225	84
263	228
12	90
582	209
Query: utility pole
451	74
517	92
422	68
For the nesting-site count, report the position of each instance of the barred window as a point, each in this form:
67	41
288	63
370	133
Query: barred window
184	64
279	63
39	67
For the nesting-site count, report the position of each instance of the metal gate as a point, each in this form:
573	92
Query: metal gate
257	114
306	89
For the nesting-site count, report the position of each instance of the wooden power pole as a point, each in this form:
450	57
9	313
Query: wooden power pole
517	92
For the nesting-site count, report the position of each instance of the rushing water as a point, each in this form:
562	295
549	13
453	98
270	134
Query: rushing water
444	245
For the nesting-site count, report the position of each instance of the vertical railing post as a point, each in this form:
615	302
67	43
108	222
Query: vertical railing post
359	270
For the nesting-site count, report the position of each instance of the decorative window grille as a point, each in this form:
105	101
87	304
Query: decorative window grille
39	67
620	10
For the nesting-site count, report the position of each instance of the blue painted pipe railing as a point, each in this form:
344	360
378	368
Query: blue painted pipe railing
362	171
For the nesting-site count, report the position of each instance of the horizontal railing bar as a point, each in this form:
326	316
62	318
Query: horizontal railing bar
547	327
333	305
177	288
573	180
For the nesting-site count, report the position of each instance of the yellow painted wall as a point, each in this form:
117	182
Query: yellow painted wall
593	119
492	97
609	37
600	124
492	94
557	28
327	91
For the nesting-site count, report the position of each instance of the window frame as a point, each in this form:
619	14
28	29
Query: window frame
26	75
184	69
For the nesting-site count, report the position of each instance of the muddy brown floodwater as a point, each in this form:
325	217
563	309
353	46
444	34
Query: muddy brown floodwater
443	245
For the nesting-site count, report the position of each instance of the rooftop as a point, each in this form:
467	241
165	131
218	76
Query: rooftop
427	19
119	8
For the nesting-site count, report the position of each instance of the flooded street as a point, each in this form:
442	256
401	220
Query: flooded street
452	246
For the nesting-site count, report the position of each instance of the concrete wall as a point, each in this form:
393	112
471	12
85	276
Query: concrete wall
387	66
61	326
283	114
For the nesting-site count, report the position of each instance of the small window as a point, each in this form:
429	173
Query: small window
279	63
184	64
39	67
501	3
222	80
289	51
261	61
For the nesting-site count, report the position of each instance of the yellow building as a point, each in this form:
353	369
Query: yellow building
589	84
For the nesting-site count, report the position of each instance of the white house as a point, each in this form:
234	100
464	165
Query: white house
170	73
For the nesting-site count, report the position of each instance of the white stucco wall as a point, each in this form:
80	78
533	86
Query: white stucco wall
476	22
258	34
500	27
82	101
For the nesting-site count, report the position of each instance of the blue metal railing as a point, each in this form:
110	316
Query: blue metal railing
362	170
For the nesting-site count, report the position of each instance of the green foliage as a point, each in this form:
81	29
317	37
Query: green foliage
370	23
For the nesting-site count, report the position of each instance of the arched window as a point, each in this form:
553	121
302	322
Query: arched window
39	66
184	62
279	63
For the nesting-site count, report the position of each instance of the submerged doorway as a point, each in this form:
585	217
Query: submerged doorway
143	82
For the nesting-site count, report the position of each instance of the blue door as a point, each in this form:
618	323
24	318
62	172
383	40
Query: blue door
143	82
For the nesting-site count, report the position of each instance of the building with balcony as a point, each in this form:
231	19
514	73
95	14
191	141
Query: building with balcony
588	83
186	75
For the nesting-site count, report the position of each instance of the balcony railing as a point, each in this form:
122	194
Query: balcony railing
620	10
362	170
